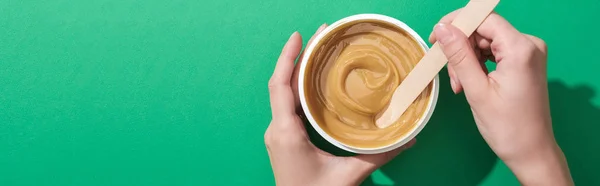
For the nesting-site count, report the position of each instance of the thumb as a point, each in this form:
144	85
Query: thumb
461	58
365	164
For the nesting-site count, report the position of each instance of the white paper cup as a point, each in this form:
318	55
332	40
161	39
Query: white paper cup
308	55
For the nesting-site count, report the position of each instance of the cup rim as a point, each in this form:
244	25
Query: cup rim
374	150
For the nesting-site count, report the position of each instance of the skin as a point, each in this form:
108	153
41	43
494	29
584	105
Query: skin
510	106
295	160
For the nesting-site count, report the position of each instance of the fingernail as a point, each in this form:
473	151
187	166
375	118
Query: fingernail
443	34
432	34
286	49
322	27
430	38
295	32
290	38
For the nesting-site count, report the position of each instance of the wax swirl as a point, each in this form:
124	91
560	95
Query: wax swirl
351	77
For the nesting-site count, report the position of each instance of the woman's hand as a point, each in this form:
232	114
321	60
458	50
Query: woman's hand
295	160
510	105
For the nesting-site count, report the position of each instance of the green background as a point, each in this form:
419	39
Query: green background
148	92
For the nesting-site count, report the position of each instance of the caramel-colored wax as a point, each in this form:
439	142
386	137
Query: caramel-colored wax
351	77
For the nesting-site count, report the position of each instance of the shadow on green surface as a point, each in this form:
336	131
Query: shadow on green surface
576	124
449	151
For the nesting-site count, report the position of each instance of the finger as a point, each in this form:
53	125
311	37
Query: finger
492	28
485	49
367	163
487	55
496	27
454	84
281	96
297	67
479	53
483	67
476	50
539	43
482	43
446	19
461	57
473	41
321	28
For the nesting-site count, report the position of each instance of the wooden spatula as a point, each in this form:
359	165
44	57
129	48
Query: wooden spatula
467	20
